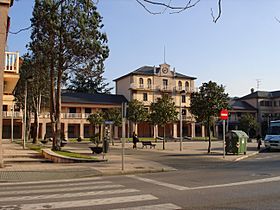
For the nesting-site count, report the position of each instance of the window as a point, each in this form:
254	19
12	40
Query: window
183	99
165	83
184	112
180	85
275	103
5	108
72	110
145	97
149	83
88	110
187	86
141	82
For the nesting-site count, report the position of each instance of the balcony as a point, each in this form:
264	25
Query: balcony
165	88
45	115
9	114
11	62
187	90
136	86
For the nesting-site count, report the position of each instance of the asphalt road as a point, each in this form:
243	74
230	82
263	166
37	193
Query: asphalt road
199	183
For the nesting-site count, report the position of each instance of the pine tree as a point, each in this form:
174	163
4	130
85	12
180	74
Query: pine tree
67	34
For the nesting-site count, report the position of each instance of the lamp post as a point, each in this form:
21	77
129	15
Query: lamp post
28	79
181	120
12	123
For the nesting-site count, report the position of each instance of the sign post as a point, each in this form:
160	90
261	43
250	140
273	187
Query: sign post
224	117
123	131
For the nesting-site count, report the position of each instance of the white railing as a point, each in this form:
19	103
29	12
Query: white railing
46	115
9	114
141	86
165	87
11	62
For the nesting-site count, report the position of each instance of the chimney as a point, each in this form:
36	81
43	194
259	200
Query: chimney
174	72
155	70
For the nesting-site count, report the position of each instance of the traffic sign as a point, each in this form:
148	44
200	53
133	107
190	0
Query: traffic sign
224	114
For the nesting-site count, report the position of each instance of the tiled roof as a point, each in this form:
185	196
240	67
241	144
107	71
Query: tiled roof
149	70
241	105
87	98
262	94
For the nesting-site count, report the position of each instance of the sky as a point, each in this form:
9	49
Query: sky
243	47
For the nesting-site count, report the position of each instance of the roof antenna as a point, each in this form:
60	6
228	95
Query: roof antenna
164	54
258	83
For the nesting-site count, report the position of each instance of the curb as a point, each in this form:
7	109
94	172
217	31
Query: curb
246	156
129	172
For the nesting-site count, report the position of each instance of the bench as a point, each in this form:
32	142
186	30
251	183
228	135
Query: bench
148	143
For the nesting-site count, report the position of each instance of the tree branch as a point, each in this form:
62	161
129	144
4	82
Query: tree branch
177	9
23	29
215	19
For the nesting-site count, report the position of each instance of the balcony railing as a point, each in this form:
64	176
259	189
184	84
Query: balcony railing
141	86
187	90
9	114
11	62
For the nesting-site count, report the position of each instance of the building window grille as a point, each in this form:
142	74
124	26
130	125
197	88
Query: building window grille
165	84
180	85
149	83
183	99
145	97
141	82
187	86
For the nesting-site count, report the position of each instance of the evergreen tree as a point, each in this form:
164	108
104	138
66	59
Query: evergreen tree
89	81
67	34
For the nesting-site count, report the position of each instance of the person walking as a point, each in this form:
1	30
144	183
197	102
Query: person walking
259	141
134	139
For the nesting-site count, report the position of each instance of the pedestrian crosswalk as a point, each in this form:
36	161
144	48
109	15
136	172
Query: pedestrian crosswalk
90	193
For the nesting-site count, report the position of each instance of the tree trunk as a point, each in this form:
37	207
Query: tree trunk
209	137
37	105
35	128
163	143
28	125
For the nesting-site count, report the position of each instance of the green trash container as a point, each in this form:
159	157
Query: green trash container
236	142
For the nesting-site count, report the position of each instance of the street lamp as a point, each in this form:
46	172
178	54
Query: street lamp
182	93
28	79
12	123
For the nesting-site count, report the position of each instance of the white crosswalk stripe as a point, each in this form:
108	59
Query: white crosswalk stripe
88	193
165	206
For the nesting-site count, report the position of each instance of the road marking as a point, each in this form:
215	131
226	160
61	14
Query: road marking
50	181
58	185
177	187
258	181
165	206
82	203
164	184
66	195
99	187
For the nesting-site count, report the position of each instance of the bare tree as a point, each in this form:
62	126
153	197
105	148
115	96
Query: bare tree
176	8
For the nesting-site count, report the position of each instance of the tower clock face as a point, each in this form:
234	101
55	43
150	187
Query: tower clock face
164	70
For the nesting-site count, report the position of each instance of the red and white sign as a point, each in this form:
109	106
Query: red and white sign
224	114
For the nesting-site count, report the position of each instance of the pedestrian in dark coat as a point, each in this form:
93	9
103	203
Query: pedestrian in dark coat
134	140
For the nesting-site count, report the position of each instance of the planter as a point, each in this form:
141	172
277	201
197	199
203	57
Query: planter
96	150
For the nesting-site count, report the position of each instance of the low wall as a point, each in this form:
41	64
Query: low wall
56	158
